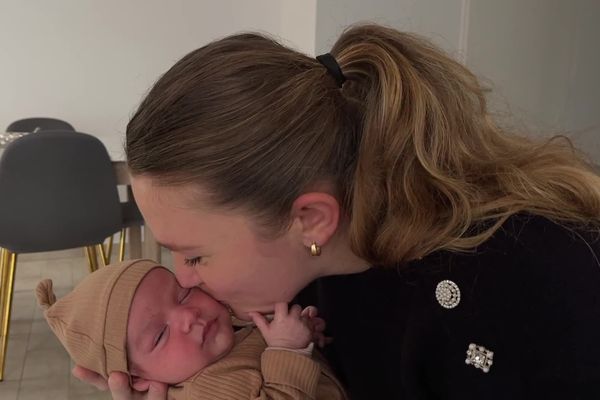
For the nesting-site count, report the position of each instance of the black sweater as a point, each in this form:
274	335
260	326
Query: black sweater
530	294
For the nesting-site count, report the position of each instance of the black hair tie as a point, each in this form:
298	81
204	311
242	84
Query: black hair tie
333	68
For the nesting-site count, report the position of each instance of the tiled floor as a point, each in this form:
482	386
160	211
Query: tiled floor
37	366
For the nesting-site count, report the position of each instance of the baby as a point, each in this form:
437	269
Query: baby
133	317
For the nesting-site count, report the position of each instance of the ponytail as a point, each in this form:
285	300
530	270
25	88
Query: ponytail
432	165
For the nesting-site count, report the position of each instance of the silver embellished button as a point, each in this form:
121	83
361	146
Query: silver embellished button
447	294
479	357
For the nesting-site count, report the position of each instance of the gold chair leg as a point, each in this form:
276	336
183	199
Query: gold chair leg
2	285
9	262
4	260
108	250
90	251
122	245
100	250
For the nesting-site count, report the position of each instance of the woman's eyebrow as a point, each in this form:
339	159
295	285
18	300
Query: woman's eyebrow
178	248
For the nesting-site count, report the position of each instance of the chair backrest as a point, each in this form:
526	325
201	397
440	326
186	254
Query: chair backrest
36	124
57	191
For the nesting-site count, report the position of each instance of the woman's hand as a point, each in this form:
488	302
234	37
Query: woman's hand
90	377
118	384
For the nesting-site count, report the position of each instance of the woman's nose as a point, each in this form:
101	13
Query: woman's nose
187	276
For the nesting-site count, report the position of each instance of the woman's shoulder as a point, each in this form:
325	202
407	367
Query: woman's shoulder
527	300
539	252
528	297
528	258
523	244
526	250
533	232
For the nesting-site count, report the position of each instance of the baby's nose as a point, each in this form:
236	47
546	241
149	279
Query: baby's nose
188	318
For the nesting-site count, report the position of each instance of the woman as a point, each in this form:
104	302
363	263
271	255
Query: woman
449	258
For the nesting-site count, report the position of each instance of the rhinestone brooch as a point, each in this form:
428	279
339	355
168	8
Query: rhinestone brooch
479	357
447	294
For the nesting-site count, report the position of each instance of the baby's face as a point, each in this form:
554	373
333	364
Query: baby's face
173	332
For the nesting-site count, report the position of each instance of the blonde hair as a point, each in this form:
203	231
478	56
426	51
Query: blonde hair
418	163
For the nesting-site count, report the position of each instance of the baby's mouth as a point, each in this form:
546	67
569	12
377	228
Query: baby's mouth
206	330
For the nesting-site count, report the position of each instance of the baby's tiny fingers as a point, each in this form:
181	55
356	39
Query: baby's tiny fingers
260	321
281	311
310	311
295	311
318	324
319	339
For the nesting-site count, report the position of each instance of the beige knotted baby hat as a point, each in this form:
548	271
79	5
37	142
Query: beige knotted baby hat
91	321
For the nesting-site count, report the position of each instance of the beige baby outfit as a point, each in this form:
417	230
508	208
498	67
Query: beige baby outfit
91	323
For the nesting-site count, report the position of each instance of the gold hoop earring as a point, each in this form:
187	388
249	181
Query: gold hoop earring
315	249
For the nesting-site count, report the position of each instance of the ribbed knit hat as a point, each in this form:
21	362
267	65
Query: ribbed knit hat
91	321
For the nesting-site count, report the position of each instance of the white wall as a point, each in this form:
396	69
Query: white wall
298	19
581	114
440	20
90	62
542	58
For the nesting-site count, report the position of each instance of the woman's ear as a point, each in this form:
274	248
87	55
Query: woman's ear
317	215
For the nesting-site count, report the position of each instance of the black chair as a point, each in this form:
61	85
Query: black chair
37	124
132	218
59	191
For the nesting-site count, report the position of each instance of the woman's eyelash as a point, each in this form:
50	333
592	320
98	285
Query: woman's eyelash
192	261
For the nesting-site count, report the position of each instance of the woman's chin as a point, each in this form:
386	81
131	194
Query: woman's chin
242	312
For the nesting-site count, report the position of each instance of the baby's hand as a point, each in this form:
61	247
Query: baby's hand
288	329
317	326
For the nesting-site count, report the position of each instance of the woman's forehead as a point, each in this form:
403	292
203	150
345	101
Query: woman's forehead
146	190
180	220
